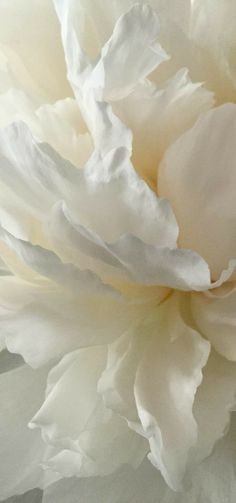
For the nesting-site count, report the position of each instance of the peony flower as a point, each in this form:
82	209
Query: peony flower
118	251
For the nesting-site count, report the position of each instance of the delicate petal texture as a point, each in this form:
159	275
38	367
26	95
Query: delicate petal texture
216	46
214	482
167	378
215	399
128	293
21	392
129	257
162	359
41	177
31	27
34	320
157	117
76	423
215	316
130	54
197	175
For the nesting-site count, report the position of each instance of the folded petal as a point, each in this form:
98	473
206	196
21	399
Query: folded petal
130	54
214	482
197	175
45	322
151	378
214	401
166	382
214	315
157	116
83	433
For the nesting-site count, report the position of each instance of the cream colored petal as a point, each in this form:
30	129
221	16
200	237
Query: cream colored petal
215	399
151	378
214	315
197	175
74	420
214	482
158	116
22	391
216	45
31	31
45	322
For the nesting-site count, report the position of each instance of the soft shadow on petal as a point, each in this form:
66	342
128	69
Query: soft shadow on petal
197	175
29	28
22	392
213	482
214	315
83	433
151	378
45	322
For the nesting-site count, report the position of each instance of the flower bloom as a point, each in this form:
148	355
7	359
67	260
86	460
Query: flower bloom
118	251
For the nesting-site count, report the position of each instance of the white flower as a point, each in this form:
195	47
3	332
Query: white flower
118	250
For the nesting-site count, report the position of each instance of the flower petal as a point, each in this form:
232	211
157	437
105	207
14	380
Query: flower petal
165	385
29	28
22	392
45	322
215	399
197	175
157	116
130	54
214	315
214	482
151	378
75	422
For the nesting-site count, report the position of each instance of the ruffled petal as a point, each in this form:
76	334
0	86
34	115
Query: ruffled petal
214	315
83	433
214	401
152	376
44	322
214	482
157	116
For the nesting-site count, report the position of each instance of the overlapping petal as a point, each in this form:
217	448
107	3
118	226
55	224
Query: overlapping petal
151	378
197	175
43	322
85	435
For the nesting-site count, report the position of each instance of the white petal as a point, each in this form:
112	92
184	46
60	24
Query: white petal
40	177
60	124
30	28
130	54
214	315
45	322
214	482
22	392
158	116
74	420
152	376
197	175
215	399
166	382
217	45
